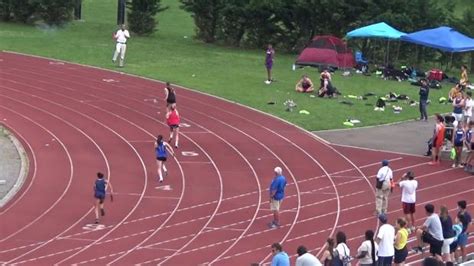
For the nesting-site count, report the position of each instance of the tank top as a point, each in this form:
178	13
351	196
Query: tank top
403	239
440	135
269	56
100	186
173	119
457	109
171	96
468	135
160	150
458	135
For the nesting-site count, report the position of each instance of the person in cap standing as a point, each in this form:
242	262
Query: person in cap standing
408	185
277	193
382	188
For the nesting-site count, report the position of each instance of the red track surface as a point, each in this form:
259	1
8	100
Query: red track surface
75	121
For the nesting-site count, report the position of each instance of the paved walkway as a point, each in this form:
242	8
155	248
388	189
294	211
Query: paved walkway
10	166
406	137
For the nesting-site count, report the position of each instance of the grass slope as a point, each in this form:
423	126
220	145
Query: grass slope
172	54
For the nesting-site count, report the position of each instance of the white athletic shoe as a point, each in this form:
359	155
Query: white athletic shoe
268	82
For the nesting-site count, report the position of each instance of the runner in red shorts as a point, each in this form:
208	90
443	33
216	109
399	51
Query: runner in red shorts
173	120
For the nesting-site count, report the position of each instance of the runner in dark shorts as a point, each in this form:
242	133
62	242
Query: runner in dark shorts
161	151
100	187
170	96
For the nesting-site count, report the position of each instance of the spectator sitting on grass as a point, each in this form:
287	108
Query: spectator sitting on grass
304	84
326	87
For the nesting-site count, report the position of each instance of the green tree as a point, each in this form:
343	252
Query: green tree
206	15
141	17
55	12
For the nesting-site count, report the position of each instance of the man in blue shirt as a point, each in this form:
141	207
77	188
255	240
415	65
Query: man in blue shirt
277	193
280	258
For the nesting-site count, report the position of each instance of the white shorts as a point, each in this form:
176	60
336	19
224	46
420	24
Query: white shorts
446	243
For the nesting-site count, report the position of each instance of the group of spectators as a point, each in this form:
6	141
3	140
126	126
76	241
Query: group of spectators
447	240
326	88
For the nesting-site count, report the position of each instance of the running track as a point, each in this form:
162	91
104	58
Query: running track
212	208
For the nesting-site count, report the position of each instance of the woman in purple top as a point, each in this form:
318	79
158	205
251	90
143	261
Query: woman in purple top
269	63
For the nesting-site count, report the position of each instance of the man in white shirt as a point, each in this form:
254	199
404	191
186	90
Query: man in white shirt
430	232
385	240
408	185
305	258
121	47
382	188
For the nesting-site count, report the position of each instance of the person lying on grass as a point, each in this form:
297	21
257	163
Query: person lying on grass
304	84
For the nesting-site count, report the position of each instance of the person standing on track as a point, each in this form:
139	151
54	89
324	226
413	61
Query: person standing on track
170	96
100	187
408	185
161	150
173	120
277	193
305	258
382	188
122	35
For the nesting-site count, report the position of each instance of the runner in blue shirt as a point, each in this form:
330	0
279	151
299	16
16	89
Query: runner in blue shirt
277	193
100	187
161	151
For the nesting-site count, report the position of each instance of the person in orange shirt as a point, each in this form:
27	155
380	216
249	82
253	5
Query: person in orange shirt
438	139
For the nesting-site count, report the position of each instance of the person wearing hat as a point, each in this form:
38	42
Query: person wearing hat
408	185
385	240
382	188
424	92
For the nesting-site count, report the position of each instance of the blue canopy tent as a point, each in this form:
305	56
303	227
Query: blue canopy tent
378	30
443	38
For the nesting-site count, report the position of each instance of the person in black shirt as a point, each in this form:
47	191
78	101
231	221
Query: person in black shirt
424	91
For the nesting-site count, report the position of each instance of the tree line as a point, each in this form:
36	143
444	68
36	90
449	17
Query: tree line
290	24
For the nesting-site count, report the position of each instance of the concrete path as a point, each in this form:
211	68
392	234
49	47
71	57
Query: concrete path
405	137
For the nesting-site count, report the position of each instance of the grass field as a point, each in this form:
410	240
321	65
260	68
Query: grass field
172	54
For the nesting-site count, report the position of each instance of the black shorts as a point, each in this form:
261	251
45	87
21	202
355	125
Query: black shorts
100	197
435	244
458	144
400	255
472	146
453	246
173	126
163	159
